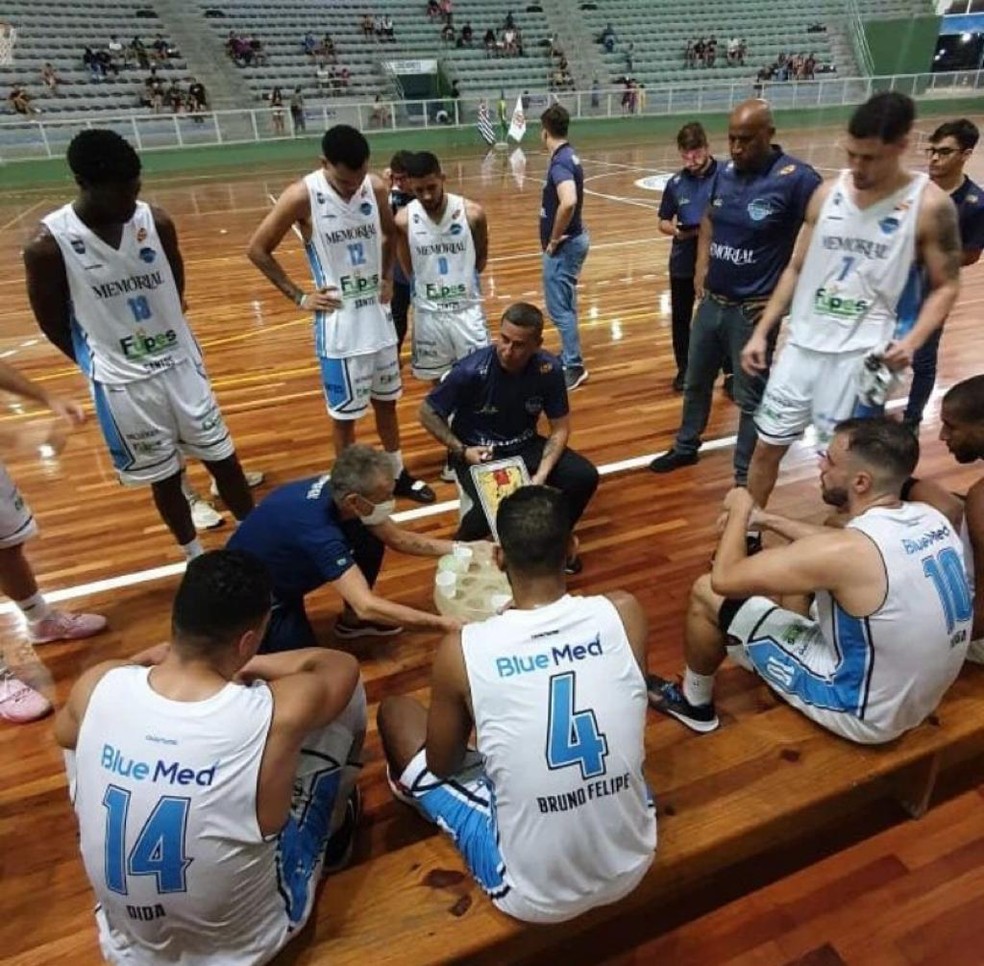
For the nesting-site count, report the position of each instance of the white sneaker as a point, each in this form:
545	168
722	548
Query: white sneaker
204	515
253	479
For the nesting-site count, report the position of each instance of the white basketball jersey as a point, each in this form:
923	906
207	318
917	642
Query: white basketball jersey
443	257
165	794
899	661
346	252
560	715
856	270
127	322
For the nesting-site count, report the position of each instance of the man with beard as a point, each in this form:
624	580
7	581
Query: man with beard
442	244
894	607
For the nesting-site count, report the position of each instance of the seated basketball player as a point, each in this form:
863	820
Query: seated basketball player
488	407
962	418
334	530
552	814
891	590
213	788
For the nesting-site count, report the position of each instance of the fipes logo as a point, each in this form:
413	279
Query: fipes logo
445	293
359	286
826	302
142	343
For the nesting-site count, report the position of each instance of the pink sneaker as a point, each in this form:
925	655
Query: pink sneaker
64	626
19	702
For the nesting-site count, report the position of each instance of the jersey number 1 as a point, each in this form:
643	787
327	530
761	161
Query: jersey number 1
159	849
573	737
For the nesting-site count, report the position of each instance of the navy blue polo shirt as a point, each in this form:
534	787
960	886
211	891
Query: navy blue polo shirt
969	200
492	407
685	197
564	166
296	532
756	217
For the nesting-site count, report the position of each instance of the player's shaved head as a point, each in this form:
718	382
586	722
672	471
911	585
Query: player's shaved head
750	131
966	399
534	531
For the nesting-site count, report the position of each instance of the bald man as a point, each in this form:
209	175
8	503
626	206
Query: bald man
757	204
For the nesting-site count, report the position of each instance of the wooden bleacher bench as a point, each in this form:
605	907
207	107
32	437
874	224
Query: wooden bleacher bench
767	778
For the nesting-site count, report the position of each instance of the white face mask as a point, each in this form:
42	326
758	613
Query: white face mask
381	512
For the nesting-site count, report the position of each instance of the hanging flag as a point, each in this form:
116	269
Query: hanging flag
517	129
485	123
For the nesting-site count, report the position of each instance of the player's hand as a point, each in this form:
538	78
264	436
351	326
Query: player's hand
68	409
552	246
451	624
753	356
323	300
538	479
898	355
699	291
386	291
739	501
477	454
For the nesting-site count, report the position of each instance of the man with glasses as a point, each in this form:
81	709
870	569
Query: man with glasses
850	286
951	146
680	211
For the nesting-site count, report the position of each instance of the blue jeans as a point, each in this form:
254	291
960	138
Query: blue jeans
718	331
923	377
560	272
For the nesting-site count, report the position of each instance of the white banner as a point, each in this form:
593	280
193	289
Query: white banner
412	66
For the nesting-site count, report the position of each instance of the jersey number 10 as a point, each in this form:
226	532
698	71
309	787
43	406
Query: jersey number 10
946	571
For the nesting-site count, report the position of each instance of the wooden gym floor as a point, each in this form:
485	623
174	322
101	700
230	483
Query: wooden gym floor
104	548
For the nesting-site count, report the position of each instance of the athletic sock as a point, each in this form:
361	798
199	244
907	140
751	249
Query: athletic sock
35	609
192	549
698	689
396	462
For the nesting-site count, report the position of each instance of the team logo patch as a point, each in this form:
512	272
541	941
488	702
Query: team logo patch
971	199
759	209
889	225
78	246
365	208
456	229
789	169
320	197
141	234
545	368
147	255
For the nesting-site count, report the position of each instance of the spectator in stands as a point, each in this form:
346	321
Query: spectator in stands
467	35
106	63
154	91
116	51
174	97
377	26
139	52
447	9
90	60
510	46
510	20
326	49
389	33
297	111
630	57
379	115
710	52
489	43
276	100
160	48
257	53
197	99
344	76
308	44
49	78
20	101
455	90
607	38
447	33
323	76
433	9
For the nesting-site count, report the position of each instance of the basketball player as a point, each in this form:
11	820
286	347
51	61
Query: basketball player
552	814
950	148
894	602
443	243
864	234
962	429
399	197
344	217
19	702
213	788
105	279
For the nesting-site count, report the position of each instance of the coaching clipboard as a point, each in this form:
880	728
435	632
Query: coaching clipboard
495	481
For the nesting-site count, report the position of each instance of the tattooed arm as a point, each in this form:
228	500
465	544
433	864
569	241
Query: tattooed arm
560	431
939	252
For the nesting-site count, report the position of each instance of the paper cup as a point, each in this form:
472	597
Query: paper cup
446	583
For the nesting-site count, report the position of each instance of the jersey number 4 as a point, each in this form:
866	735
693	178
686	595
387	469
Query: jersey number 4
573	737
159	849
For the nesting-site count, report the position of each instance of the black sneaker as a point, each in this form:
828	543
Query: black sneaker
667	698
573	566
678	381
672	460
574	377
338	850
413	489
